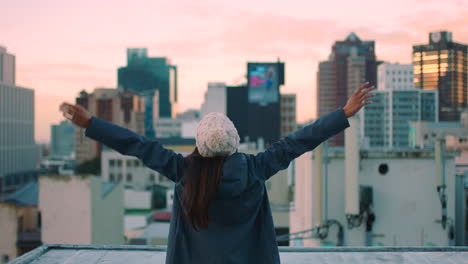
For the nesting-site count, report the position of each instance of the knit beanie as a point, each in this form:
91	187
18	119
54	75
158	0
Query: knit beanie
216	135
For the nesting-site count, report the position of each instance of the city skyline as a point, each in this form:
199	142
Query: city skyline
68	47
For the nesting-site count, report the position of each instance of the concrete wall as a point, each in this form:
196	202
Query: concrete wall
137	199
107	214
278	191
65	205
301	216
406	203
8	230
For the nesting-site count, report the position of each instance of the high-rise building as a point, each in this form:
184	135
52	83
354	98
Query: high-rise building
62	139
443	65
351	63
122	108
255	108
146	75
18	151
215	99
385	122
288	114
395	76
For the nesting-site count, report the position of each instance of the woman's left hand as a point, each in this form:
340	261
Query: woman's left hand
358	100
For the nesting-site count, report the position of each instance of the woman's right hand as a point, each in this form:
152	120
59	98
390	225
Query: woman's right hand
76	114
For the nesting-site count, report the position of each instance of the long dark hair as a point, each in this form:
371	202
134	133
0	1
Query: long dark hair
201	180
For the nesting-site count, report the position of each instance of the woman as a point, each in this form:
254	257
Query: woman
221	212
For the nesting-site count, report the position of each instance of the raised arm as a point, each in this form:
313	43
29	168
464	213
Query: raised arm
126	142
278	156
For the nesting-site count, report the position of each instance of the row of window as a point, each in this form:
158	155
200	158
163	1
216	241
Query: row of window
129	177
130	163
400	72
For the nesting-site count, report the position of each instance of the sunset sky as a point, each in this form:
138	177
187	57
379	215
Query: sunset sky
62	46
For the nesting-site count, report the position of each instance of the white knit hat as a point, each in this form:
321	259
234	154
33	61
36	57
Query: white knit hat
216	135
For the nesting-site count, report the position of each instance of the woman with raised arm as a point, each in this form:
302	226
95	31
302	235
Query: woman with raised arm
221	212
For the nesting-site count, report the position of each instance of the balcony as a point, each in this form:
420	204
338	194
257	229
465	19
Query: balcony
72	254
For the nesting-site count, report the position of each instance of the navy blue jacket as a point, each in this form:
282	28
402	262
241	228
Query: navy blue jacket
241	226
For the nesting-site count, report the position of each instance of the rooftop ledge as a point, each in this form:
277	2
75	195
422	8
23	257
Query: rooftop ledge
72	254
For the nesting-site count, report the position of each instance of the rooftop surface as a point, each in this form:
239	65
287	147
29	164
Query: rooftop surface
72	254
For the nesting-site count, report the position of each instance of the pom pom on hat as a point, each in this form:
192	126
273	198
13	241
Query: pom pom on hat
216	136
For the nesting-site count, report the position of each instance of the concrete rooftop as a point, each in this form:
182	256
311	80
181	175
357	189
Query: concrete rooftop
72	254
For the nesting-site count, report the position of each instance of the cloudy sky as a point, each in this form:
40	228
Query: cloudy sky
65	46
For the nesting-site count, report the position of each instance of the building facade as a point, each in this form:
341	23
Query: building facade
122	108
18	151
255	108
395	76
442	65
425	134
288	114
147	76
385	122
215	99
351	63
95	210
62	139
129	170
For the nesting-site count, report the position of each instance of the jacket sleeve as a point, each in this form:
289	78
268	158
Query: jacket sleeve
126	142
278	156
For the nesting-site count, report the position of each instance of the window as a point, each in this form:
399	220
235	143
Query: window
129	163
136	163
119	163
129	177
111	177
152	177
119	177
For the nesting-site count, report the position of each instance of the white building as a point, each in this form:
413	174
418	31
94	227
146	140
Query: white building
176	128
215	99
395	76
18	151
168	128
81	210
403	198
116	167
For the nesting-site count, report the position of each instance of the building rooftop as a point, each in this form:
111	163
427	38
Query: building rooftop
26	196
72	254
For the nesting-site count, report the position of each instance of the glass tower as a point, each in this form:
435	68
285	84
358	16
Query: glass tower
442	65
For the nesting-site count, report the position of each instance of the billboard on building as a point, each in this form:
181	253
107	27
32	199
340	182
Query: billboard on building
263	82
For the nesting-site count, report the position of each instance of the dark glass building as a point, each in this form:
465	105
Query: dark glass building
351	63
255	108
151	78
443	65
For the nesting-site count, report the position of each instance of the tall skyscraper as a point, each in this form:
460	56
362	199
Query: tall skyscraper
385	122
288	114
18	151
123	108
146	75
255	108
62	139
443	65
350	63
